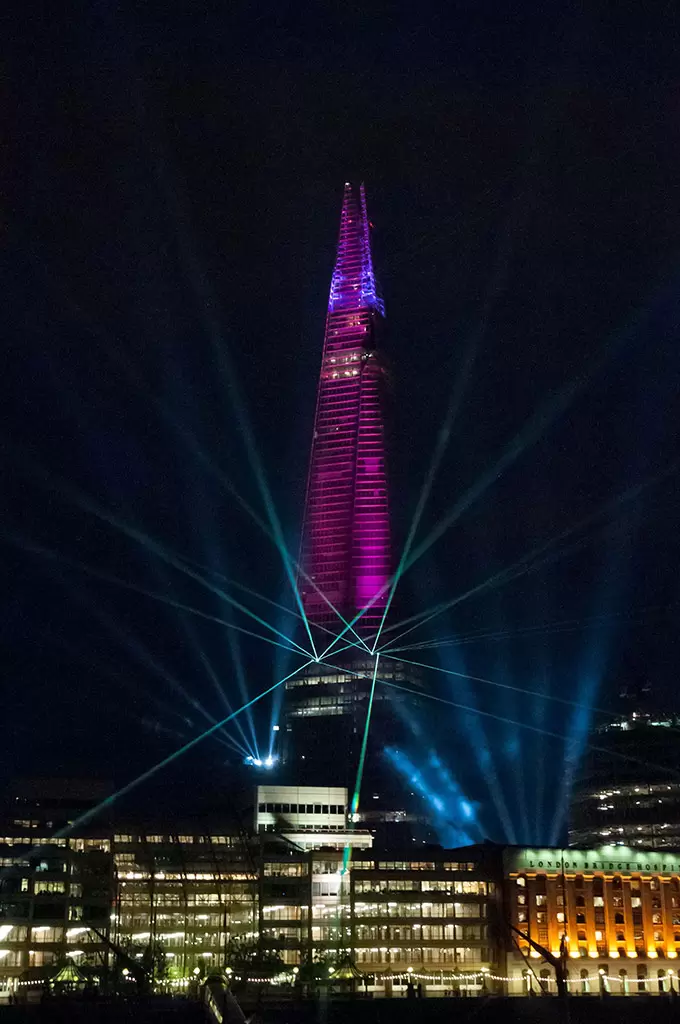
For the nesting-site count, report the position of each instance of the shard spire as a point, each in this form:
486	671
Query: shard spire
345	554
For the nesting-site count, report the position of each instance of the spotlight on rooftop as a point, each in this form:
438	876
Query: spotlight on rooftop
261	762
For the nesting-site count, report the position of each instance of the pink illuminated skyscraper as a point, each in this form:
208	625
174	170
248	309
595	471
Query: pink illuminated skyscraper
345	555
345	552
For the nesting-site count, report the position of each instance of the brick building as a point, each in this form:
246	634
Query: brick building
618	909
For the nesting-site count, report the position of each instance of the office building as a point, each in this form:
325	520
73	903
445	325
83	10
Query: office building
628	790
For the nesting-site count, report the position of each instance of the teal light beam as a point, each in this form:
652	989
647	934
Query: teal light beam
38	549
188	627
225	482
527	562
207	305
212	675
197	450
501	686
535	728
191	633
121	679
474	679
530	433
147	542
360	642
364	742
495	288
361	645
539	629
494	782
215	335
139	651
150	772
474	711
350	625
441	445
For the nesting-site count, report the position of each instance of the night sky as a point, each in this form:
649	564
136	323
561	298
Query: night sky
171	202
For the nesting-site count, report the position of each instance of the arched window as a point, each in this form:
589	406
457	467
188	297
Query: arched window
585	983
623	979
661	975
642	978
544	978
580	901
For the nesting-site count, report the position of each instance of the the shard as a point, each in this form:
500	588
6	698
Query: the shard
345	554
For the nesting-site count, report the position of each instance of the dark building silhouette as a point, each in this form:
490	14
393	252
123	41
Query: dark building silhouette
628	791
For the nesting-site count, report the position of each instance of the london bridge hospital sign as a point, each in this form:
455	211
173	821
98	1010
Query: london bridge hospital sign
607	858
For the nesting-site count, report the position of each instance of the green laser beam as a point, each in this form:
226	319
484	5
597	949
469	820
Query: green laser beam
289	611
502	686
362	760
443	437
480	679
217	473
497	796
39	549
120	678
191	633
187	436
139	651
543	629
530	433
495	286
147	542
535	427
207	306
364	742
527	562
150	772
212	675
533	728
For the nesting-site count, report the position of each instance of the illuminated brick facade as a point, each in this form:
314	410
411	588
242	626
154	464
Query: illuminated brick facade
619	909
